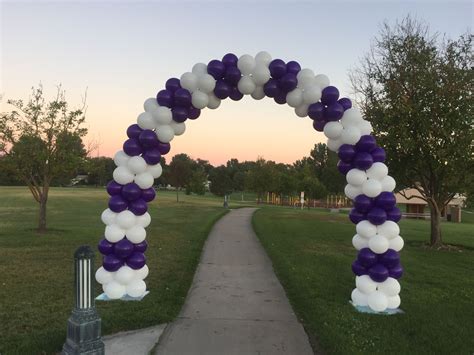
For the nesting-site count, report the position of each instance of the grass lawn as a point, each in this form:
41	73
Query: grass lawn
312	253
36	294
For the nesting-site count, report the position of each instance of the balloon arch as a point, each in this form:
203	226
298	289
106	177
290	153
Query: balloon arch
377	266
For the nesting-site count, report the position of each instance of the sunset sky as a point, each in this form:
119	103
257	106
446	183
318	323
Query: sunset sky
123	52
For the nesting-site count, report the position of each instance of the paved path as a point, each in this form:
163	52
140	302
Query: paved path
236	305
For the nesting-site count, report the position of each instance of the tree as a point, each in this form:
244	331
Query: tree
262	177
221	183
42	140
418	93
325	165
180	172
197	181
99	170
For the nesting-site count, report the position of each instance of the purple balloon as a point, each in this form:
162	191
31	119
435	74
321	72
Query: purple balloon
173	84
132	147
134	131
378	273
193	113
288	82
378	154
232	76
114	188
363	203
343	167
271	88
131	192
334	112
136	261
280	98
345	103
124	248
180	114
377	216
138	207
316	111
366	144
148	139
182	97
386	200
152	156
358	269
394	214
319	125
293	67
164	148
277	68
141	247
390	258
105	247
396	272
117	203
346	153
235	94
363	160
367	257
165	98
230	60
222	89
216	68
149	194
329	95
356	216
111	263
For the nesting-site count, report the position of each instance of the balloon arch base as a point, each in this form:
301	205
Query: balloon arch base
367	309
104	297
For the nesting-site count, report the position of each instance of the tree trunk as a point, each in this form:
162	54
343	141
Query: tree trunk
177	195
435	212
42	213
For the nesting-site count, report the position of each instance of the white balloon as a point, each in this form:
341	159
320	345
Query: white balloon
136	234
351	117
144	220
258	93
305	78
144	180
114	233
396	243
334	144
189	81
165	133
214	101
121	158
246	64
162	115
136	165
389	229
377	301
206	83
377	171
246	85
125	275
359	298
145	121
108	216
378	244
365	284
178	127
322	80
312	94
366	229
150	104
333	130
114	290
122	175
302	110
388	183
261	74
372	187
200	99
356	177
394	302
103	276
350	135
142	273
263	58
136	288
365	127
199	69
352	191
391	287
155	170
359	243
295	98
126	219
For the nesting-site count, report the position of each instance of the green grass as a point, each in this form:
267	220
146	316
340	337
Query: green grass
36	289
312	253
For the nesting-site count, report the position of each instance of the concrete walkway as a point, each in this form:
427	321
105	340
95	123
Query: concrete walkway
236	305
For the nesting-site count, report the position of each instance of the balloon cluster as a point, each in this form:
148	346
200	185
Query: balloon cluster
361	161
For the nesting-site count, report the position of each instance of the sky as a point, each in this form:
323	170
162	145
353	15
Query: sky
122	52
